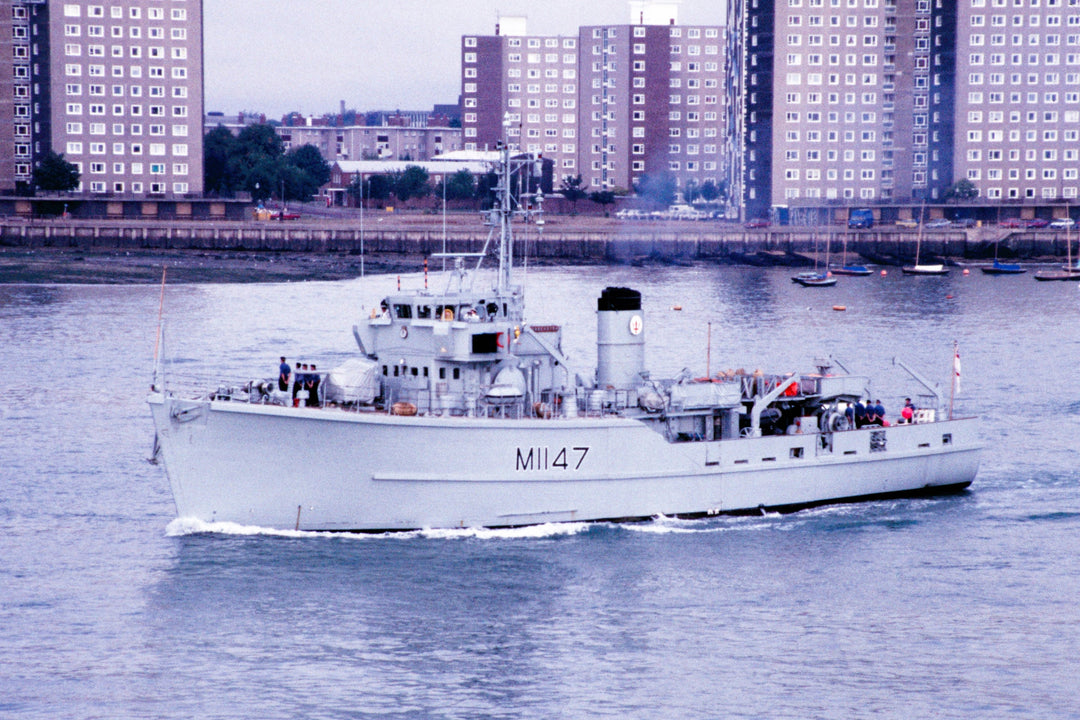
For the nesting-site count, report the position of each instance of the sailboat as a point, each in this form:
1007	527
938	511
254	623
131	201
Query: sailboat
918	269
1068	270
845	269
1000	268
815	278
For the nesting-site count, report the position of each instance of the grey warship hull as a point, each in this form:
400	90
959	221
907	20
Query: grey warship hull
334	470
458	411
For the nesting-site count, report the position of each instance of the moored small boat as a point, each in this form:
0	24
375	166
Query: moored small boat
852	270
814	279
918	268
1051	275
1000	268
925	270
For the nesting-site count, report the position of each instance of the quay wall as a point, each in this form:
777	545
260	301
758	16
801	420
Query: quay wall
621	243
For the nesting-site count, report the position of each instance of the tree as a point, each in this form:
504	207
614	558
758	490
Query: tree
305	173
264	178
54	173
709	191
658	188
260	140
459	186
309	160
219	145
571	190
962	190
258	159
379	187
255	161
411	182
603	198
485	188
691	191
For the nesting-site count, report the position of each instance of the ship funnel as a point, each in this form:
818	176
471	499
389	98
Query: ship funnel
620	339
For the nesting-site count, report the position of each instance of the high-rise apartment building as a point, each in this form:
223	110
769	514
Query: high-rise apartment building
844	101
612	104
522	89
115	87
653	101
18	36
894	101
1018	98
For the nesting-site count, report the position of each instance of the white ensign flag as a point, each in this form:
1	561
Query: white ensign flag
956	371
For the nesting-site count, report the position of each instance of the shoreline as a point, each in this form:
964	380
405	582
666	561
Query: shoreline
33	266
134	252
37	266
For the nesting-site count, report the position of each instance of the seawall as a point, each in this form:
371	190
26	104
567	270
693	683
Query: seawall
562	241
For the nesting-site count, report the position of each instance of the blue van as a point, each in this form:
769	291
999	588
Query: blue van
860	219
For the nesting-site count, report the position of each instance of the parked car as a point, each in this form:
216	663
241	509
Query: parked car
965	222
264	213
1012	223
938	224
1063	224
907	223
757	223
1038	223
685	212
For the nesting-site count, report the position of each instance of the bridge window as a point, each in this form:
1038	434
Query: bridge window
485	343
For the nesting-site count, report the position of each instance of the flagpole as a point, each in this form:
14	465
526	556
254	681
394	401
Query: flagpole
157	338
955	376
708	353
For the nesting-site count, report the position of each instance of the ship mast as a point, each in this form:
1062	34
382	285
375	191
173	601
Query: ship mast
509	202
504	203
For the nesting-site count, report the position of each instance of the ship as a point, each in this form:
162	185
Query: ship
458	410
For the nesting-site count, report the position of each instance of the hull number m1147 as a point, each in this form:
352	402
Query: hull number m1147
545	458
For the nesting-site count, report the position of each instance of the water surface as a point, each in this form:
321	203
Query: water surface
962	606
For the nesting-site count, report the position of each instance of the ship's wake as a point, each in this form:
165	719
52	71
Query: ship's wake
192	526
831	517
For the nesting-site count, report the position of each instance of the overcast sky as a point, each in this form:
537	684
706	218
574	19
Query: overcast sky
275	56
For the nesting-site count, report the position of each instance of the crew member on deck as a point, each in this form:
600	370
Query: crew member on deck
312	386
879	414
907	414
284	371
298	386
871	414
